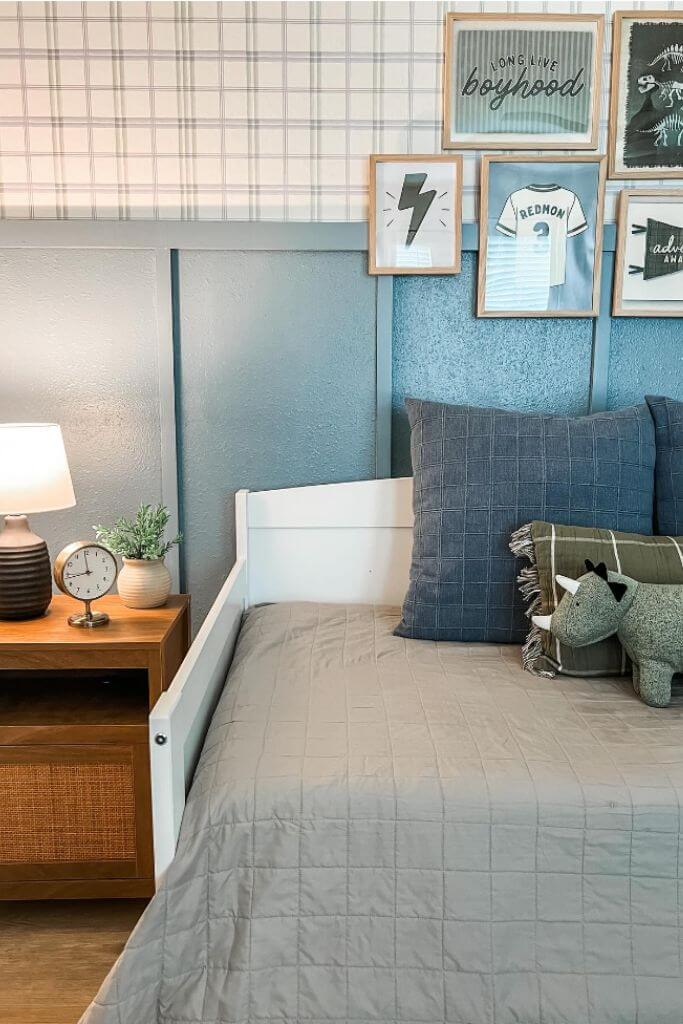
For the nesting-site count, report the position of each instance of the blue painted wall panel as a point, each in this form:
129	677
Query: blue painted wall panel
277	384
442	351
646	358
78	341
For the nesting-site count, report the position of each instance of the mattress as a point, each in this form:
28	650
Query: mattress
383	829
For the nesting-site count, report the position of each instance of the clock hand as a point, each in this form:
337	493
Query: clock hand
73	575
85	559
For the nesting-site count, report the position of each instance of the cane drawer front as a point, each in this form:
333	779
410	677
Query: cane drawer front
75	792
74	812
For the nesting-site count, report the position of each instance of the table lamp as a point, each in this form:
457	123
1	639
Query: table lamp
34	477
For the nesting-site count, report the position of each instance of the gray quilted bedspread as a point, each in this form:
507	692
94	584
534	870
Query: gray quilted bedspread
393	830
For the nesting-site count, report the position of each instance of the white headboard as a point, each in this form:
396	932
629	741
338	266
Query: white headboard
336	542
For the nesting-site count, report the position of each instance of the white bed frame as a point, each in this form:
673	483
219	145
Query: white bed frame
338	542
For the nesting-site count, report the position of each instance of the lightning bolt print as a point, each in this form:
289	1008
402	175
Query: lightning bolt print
412	196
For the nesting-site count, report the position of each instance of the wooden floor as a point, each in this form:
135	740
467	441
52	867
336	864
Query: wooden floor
54	955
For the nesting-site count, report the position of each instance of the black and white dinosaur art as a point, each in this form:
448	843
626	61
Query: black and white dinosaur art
653	135
667	129
668	91
669	56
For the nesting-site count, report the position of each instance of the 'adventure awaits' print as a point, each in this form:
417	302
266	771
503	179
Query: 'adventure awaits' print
649	267
521	81
663	249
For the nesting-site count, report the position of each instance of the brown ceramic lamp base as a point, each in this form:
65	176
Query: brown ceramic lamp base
25	577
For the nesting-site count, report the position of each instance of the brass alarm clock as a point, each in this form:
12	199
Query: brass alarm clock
86	571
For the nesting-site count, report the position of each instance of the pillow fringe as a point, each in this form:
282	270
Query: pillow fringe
533	655
522	543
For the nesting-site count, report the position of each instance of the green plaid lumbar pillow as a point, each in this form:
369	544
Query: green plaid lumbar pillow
553	549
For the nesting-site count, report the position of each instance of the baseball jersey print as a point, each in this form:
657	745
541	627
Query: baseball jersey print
545	211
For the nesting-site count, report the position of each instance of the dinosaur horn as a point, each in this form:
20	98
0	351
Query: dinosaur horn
571	585
542	621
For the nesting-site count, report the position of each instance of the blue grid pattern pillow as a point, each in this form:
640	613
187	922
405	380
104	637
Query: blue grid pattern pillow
479	474
668	417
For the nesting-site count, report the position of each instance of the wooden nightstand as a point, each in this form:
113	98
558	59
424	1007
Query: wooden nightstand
75	806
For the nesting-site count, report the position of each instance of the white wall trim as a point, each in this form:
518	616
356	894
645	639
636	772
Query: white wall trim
332	236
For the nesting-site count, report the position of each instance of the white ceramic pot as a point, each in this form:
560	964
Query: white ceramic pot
144	583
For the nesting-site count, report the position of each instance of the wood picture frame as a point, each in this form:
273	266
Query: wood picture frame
450	218
543	23
624	79
553	250
648	198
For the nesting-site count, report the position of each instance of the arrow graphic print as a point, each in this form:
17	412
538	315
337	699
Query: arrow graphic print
413	197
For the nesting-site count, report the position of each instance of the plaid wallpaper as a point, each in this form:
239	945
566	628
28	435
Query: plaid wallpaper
260	111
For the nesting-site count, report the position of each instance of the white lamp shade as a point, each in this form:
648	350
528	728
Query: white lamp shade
34	471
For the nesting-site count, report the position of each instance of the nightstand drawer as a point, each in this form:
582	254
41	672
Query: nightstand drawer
74	812
75	790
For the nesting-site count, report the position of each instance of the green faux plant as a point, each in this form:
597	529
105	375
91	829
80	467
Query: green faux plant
140	538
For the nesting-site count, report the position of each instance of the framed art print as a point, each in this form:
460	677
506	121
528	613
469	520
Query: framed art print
646	107
540	242
522	81
649	269
415	214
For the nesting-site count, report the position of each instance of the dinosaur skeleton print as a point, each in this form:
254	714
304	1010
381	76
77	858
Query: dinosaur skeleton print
650	129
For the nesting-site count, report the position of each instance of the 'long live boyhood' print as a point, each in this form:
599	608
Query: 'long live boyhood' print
522	80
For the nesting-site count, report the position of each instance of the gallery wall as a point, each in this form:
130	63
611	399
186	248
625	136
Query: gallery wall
246	111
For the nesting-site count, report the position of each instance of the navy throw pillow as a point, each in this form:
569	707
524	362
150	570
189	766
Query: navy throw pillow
479	474
668	416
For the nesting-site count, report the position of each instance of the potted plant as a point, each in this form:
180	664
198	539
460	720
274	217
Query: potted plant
144	581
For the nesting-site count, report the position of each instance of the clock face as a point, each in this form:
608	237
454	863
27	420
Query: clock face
89	572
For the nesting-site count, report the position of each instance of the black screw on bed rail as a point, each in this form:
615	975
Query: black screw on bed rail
160	739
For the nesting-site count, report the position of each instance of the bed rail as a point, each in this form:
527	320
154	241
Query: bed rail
181	717
347	543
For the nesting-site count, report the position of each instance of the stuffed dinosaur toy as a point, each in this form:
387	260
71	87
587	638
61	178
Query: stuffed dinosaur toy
647	618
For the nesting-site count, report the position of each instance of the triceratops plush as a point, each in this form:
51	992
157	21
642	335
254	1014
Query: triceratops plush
647	618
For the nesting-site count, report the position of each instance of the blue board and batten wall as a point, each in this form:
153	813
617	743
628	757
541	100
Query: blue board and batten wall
277	386
442	351
263	355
